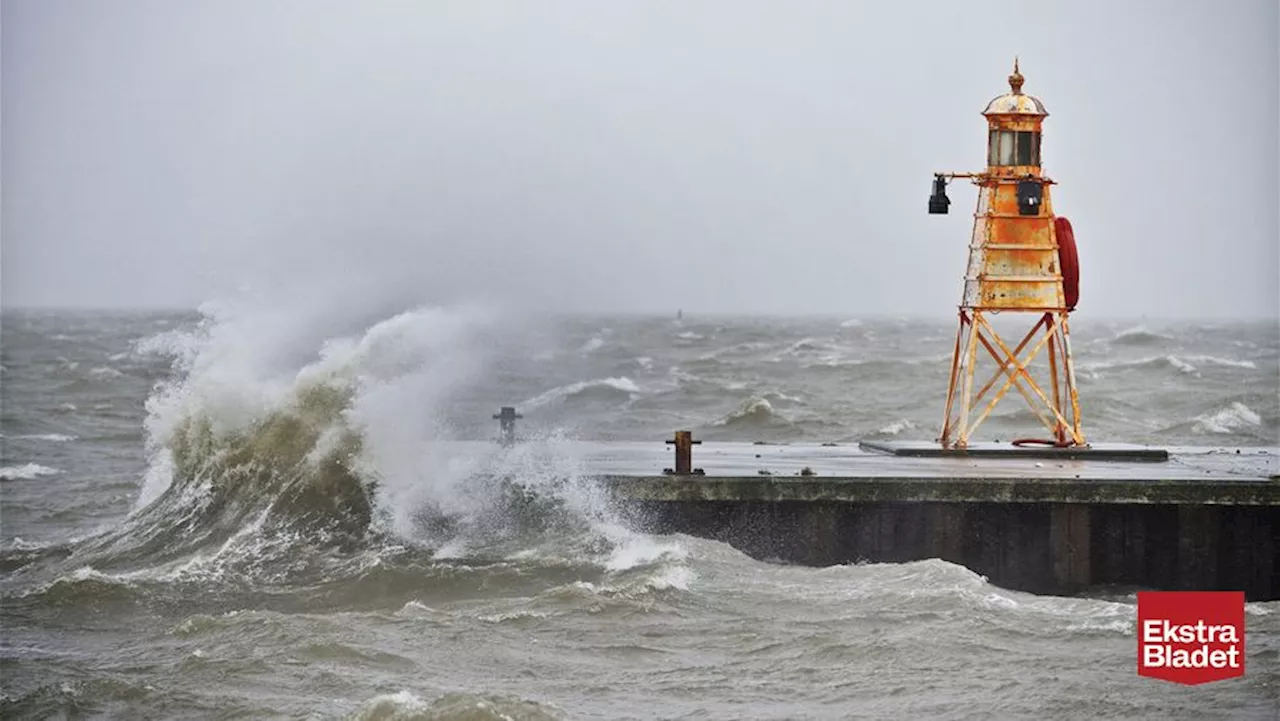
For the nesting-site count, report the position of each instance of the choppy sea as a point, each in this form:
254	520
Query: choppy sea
237	513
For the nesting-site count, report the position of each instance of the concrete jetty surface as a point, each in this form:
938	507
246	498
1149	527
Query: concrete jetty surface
1205	518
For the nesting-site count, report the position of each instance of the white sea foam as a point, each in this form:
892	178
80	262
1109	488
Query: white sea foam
399	705
754	410
17	543
1228	420
48	437
1181	365
519	615
407	706
1224	362
105	372
1139	335
635	550
897	427
591	346
26	472
1094	370
622	384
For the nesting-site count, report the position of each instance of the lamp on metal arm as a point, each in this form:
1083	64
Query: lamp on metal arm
939	202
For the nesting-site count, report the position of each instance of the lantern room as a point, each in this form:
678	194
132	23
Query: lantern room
1014	120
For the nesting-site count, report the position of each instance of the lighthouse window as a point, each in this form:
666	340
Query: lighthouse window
1014	148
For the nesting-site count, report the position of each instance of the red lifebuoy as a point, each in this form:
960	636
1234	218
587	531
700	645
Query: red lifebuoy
1069	259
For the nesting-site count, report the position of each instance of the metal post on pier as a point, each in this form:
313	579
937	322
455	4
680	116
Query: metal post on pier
684	444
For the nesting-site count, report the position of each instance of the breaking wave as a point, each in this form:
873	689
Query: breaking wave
620	389
407	706
1228	420
287	447
1180	364
896	427
26	472
592	345
1223	362
49	437
1139	336
753	413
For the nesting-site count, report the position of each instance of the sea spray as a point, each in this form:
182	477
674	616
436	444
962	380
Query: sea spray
267	430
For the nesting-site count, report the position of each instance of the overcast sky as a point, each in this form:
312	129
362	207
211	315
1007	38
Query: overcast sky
720	156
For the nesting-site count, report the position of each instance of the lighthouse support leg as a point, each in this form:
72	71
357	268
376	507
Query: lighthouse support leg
1059	432
1077	435
951	384
966	378
1012	365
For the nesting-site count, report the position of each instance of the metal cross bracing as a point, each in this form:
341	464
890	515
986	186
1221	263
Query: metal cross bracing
1058	409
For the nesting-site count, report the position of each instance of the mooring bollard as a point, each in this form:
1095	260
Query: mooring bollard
684	454
507	420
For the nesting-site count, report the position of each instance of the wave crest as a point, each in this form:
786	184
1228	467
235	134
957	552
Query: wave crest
1139	336
26	472
1228	420
619	389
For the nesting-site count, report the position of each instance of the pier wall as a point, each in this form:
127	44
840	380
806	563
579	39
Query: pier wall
1039	547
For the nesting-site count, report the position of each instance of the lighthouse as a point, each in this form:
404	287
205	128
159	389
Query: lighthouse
1022	260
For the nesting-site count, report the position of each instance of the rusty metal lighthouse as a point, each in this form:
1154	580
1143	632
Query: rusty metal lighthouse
1022	260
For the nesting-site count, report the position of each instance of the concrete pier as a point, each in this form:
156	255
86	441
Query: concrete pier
1205	519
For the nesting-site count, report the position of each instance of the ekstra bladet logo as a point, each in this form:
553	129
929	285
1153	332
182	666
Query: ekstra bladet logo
1191	637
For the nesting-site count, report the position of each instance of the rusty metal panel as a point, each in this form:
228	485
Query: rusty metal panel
1013	258
977	245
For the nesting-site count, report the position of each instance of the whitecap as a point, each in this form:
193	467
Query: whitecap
512	616
752	410
1092	369
1139	335
49	437
26	472
1181	365
621	384
640	550
1228	420
1224	362
896	427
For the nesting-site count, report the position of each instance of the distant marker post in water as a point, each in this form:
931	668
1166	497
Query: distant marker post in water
1022	259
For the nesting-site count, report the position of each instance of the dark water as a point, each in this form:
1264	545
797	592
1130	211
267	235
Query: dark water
241	516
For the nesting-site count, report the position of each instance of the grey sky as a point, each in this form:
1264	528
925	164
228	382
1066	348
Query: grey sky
719	156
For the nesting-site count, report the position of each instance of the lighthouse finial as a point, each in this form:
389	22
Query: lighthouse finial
1015	80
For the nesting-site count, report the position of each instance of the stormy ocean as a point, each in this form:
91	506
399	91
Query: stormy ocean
247	513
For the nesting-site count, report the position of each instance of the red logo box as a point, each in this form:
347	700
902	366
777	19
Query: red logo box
1191	637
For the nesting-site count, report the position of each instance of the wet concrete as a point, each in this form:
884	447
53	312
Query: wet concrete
1207	519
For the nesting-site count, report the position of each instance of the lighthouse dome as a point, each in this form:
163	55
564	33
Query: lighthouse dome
1015	102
